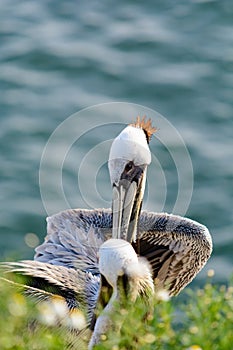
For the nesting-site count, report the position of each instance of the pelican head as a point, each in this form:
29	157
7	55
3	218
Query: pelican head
128	161
118	261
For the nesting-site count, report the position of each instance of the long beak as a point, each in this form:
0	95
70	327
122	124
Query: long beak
126	204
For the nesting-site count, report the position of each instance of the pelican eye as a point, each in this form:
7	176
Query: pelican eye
129	166
132	172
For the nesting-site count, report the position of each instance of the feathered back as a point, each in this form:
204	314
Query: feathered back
176	247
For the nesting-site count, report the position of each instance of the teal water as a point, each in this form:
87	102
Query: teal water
56	58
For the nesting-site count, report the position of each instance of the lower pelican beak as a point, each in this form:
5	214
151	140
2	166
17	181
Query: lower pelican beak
127	202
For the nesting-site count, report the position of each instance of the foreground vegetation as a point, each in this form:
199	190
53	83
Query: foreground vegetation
198	319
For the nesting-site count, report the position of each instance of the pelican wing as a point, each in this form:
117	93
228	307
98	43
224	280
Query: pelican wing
43	281
74	237
176	247
39	294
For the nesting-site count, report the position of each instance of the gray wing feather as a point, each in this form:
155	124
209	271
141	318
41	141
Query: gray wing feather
79	289
74	237
176	247
60	276
39	294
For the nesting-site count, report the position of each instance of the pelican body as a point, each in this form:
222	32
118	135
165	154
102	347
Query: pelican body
85	250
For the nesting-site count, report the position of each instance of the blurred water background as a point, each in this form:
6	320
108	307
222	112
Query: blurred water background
175	57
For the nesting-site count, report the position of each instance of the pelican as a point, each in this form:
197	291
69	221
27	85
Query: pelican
85	250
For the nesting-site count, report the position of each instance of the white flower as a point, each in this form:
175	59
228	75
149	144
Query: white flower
162	295
76	320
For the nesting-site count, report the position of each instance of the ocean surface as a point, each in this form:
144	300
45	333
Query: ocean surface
73	74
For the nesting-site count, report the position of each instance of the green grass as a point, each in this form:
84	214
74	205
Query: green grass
199	319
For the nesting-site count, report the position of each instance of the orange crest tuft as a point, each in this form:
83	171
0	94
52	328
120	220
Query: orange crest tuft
146	126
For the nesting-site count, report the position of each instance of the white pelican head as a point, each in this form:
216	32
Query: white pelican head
128	160
117	258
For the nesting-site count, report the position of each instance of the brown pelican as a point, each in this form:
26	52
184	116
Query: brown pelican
75	260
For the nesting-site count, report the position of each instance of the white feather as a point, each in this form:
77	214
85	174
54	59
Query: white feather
130	145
